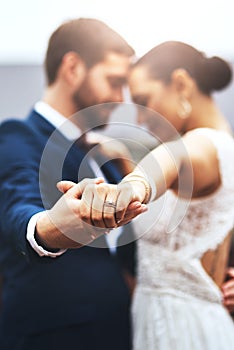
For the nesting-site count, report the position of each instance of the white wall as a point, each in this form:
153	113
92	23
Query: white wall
25	25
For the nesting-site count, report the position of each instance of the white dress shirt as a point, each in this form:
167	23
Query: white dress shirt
71	132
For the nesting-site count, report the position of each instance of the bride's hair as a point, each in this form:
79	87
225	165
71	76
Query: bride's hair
210	74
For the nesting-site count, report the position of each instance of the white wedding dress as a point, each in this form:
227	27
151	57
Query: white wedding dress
176	305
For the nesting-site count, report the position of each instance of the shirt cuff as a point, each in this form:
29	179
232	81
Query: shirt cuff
31	239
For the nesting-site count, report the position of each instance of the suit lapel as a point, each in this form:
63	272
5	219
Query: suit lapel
108	167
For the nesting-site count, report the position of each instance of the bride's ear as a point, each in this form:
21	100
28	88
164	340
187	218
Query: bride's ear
183	82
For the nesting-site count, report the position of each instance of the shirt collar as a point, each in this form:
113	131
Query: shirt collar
68	129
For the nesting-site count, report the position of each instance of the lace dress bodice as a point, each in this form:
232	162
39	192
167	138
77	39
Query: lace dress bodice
174	233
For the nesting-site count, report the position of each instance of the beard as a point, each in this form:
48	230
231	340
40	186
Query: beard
92	114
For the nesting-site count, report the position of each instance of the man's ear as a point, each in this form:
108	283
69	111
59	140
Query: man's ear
183	82
73	69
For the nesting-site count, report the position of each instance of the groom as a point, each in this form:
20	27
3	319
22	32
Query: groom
55	297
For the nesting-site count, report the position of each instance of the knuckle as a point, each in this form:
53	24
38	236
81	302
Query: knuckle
96	218
85	182
84	213
108	217
89	186
100	189
85	216
97	223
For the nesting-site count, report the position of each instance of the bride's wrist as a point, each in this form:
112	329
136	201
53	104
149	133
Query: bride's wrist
143	183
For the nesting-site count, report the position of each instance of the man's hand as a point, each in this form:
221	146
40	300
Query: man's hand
228	291
62	226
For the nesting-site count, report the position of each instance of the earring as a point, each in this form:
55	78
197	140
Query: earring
185	108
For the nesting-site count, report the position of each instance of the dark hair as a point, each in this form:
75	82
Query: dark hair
210	74
88	37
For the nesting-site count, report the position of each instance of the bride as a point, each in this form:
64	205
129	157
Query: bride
187	183
176	303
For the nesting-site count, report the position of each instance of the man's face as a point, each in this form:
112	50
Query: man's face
102	85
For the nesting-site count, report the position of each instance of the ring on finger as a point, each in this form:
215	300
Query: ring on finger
110	204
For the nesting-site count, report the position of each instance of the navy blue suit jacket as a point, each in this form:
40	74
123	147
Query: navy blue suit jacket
80	289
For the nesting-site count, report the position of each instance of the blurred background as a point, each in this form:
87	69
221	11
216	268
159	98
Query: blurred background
25	27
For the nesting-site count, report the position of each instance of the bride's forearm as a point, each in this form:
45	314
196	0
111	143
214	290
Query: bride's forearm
162	166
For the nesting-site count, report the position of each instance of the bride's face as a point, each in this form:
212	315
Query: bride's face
157	96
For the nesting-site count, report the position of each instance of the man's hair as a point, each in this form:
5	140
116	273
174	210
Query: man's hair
88	37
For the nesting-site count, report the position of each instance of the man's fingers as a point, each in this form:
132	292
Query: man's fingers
228	287
229	304
230	272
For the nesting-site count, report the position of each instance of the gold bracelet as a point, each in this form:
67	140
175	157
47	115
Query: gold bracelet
142	179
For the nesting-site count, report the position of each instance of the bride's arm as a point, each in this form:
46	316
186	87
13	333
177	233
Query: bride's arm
189	166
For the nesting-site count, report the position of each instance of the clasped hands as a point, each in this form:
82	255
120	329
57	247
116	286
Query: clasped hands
106	205
89	209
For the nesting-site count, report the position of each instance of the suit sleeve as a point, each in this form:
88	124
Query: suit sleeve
19	183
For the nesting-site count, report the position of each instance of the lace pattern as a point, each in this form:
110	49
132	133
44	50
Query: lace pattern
175	233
